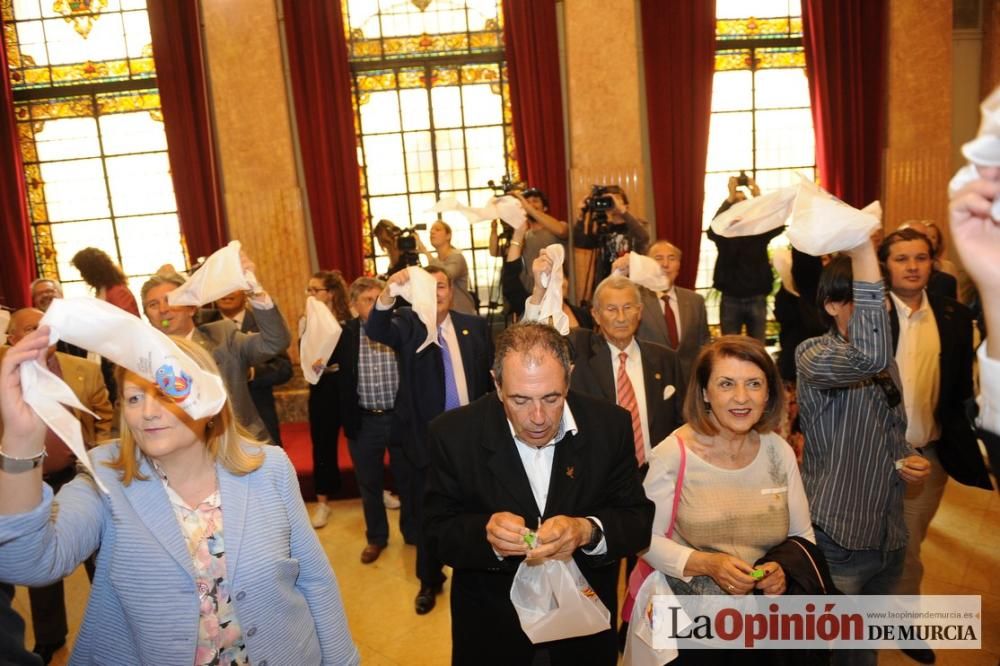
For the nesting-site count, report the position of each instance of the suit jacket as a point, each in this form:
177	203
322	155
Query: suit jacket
957	448
87	383
476	471
346	355
143	605
693	323
421	375
235	352
273	372
593	375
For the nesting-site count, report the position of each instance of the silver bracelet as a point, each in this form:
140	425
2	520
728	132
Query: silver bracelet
13	465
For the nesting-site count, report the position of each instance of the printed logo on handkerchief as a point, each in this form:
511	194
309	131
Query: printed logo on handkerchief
177	387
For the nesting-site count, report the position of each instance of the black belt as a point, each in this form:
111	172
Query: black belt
376	412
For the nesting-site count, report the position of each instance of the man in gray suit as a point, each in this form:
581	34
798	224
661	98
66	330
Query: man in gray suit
687	311
234	351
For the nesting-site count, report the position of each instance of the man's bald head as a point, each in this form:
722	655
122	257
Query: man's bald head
22	322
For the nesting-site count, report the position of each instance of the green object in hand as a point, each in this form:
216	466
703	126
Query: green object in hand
530	538
757	574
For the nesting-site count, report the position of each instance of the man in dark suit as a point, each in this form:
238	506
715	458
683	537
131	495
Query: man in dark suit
440	377
263	376
369	386
612	365
535	455
685	327
932	339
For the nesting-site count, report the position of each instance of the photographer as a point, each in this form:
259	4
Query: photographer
742	270
605	225
542	230
399	244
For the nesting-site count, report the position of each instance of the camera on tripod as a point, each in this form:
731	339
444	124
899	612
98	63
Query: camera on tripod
399	244
596	207
506	185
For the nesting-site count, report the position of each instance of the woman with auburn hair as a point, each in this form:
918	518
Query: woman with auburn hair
740	493
105	277
206	553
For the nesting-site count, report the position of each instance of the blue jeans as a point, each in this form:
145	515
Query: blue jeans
858	572
734	312
368	454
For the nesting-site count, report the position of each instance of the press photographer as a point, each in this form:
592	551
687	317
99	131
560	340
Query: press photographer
606	226
543	230
399	244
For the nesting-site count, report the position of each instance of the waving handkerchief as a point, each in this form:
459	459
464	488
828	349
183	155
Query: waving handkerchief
421	291
757	215
319	339
822	224
220	275
552	300
645	271
507	208
984	150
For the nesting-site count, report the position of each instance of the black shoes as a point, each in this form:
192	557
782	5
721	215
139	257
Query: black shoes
47	650
427	598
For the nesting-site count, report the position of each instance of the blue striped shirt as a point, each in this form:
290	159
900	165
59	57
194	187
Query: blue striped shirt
853	437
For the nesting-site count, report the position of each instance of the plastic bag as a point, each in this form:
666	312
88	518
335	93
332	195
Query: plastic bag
554	601
639	650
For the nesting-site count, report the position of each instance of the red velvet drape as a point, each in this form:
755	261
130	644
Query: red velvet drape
678	43
532	49
321	89
175	26
17	267
845	59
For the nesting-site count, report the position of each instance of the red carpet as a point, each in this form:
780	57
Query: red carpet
298	446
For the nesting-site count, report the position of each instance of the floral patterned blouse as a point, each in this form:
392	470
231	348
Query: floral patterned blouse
220	639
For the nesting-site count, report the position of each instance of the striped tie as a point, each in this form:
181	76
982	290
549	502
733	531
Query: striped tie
626	399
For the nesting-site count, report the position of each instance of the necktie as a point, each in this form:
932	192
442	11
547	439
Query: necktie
668	316
450	386
626	399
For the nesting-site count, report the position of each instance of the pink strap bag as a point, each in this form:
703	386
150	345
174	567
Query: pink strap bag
642	569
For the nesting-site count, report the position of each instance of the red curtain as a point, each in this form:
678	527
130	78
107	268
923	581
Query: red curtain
532	47
175	26
678	43
17	268
845	58
321	89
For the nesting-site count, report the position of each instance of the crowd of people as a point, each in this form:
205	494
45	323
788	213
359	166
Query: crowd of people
627	434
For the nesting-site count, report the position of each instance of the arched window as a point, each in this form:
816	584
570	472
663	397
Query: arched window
432	115
761	120
91	132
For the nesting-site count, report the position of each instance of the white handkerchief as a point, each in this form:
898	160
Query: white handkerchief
757	215
507	208
552	300
645	271
822	224
320	338
124	339
421	291
962	177
668	391
220	275
984	150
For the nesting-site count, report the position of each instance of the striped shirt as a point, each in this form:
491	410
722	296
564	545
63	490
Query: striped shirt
853	437
378	376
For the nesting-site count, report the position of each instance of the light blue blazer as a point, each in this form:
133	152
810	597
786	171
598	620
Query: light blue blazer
143	606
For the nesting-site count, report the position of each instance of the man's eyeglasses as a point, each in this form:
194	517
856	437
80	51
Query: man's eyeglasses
885	382
313	290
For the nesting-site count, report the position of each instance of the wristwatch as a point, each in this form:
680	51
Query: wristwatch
596	534
13	465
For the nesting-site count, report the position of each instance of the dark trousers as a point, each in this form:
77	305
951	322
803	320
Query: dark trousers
734	312
428	566
368	453
324	430
48	603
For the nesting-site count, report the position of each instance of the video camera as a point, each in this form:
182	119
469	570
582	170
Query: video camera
406	243
596	207
506	185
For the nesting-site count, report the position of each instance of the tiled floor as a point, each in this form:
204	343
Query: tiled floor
961	554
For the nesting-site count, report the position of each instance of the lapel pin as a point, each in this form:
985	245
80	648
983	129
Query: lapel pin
465	331
570	471
658	375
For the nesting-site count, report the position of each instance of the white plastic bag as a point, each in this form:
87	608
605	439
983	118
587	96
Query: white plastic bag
554	601
639	650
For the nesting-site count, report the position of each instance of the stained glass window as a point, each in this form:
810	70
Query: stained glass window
91	132
433	117
761	121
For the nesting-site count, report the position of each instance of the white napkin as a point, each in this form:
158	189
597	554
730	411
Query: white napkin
552	300
756	215
220	275
507	208
645	271
822	224
421	291
124	339
320	338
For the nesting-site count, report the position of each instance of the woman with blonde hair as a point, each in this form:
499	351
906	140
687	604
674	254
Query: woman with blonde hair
175	583
453	262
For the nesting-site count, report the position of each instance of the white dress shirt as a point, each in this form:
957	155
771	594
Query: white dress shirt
238	319
633	368
447	328
918	355
672	295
